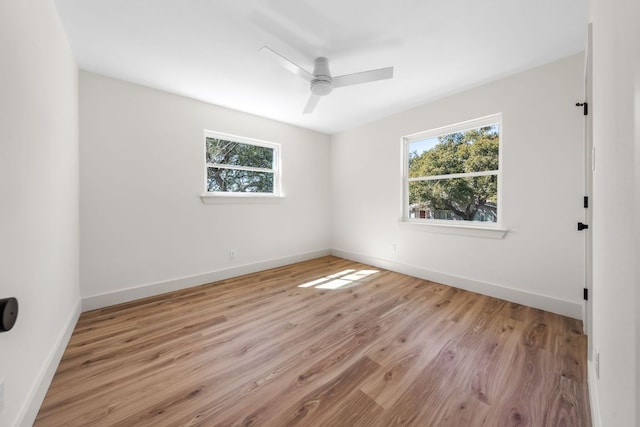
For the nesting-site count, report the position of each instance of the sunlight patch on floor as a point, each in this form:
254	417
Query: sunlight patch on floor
342	279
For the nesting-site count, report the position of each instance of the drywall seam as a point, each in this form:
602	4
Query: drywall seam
543	302
32	405
125	295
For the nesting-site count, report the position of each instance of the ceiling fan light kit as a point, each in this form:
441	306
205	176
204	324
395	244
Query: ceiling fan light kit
321	81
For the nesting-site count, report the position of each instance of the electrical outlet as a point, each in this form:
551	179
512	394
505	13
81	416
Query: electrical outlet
232	254
394	248
1	395
596	361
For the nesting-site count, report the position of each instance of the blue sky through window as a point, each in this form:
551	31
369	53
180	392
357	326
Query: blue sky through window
423	145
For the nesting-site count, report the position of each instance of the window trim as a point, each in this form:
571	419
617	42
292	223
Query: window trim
210	196
471	228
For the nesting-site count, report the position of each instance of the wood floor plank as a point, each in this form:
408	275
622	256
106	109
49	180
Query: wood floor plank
320	404
401	365
281	347
357	410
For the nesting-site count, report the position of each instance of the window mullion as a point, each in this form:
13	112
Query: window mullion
243	168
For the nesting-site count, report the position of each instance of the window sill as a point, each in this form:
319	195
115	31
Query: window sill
240	198
489	232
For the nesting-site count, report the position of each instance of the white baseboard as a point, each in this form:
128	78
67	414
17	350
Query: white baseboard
36	397
125	295
543	302
593	395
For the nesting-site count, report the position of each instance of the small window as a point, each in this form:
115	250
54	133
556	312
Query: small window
241	166
452	173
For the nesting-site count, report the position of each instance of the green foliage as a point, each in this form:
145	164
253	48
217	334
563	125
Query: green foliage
239	181
461	152
230	153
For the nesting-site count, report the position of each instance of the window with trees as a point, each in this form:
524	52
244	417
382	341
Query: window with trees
453	173
241	166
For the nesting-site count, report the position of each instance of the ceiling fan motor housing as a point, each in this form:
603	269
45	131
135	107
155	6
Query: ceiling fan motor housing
323	83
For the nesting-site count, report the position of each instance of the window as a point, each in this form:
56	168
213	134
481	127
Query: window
452	174
237	166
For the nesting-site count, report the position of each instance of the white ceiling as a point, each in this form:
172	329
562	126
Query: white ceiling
208	49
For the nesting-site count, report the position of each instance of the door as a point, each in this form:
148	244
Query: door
589	165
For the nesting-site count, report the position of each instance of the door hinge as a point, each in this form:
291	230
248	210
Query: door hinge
585	107
586	201
582	226
585	294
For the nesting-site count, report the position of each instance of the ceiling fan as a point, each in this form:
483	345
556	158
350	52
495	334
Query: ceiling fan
322	83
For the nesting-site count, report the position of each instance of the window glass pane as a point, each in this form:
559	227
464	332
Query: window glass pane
474	150
233	153
239	181
457	199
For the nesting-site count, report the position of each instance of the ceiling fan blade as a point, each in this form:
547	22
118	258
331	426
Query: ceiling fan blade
363	77
294	68
311	104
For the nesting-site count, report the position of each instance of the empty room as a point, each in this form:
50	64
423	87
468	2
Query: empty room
319	213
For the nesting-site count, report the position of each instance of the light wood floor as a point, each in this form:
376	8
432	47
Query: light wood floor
384	349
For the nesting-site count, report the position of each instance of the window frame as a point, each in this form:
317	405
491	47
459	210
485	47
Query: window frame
475	228
207	196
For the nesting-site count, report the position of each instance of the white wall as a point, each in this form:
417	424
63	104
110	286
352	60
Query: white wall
616	110
540	260
39	194
141	174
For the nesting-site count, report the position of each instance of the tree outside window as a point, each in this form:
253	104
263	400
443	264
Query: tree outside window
453	176
240	165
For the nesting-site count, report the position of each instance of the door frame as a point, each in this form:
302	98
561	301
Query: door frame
589	166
